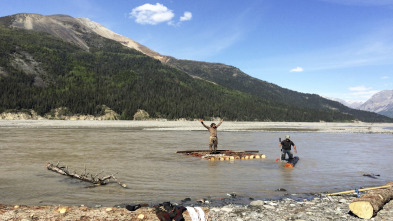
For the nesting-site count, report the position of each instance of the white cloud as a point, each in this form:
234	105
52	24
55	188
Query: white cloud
385	77
362	92
359	88
152	14
298	69
365	95
187	16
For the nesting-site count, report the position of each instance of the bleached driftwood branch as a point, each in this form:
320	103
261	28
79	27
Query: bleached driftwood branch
94	179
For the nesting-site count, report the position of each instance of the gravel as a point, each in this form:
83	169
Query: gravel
319	208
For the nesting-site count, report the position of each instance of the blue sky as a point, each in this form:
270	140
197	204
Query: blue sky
334	48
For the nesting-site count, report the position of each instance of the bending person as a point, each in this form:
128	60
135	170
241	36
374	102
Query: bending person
286	148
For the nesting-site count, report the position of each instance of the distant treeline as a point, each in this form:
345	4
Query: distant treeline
40	72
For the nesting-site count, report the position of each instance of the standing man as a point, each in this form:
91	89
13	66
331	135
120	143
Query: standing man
286	148
213	134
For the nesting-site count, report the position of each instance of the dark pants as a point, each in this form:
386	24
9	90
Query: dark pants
284	152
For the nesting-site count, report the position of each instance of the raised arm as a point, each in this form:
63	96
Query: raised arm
220	122
204	124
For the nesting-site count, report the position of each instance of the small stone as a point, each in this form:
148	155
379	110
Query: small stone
83	208
257	203
141	216
62	210
281	189
342	201
186	199
226	209
215	210
200	201
269	207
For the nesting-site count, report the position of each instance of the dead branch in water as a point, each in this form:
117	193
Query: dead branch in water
94	179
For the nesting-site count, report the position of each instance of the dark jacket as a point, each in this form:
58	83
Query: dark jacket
286	144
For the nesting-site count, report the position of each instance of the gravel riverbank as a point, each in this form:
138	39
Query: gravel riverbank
319	208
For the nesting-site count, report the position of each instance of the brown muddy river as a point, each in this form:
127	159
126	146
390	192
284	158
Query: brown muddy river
146	161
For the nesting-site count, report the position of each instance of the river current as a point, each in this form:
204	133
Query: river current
146	161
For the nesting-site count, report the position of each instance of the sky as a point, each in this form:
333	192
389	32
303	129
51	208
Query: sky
335	48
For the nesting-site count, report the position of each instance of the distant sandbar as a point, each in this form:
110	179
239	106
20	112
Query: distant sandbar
325	127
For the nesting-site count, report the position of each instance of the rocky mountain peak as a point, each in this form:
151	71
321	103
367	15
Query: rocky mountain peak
72	29
379	102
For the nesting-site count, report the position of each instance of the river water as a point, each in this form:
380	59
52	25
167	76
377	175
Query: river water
145	160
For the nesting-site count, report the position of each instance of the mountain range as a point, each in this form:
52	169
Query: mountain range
47	62
381	103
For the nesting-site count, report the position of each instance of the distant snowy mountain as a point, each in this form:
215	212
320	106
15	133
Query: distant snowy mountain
351	104
381	103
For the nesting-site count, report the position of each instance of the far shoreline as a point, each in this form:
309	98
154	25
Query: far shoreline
184	125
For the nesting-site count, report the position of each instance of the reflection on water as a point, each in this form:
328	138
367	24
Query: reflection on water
146	161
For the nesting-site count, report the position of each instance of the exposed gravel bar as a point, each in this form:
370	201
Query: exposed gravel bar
319	208
323	127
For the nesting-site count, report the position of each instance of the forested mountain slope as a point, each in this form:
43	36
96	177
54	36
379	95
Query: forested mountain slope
233	78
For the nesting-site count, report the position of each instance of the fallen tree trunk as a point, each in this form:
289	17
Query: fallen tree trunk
292	162
94	179
370	203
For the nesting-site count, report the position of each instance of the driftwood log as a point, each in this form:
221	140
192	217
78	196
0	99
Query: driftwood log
370	203
292	162
94	179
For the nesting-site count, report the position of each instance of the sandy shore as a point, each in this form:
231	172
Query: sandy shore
323	127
